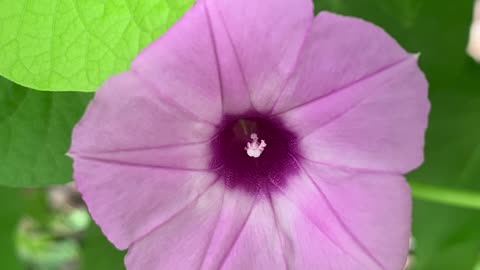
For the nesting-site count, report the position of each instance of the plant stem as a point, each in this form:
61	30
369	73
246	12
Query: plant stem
453	197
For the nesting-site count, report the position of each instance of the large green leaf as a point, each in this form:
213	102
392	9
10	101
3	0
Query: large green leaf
35	129
447	238
76	44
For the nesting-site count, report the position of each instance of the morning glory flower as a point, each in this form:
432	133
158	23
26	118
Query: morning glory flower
253	135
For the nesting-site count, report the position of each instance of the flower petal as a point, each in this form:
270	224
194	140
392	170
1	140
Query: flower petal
343	220
180	242
258	246
377	124
233	231
266	37
236	211
338	52
375	207
195	156
182	66
363	106
129	201
127	114
201	237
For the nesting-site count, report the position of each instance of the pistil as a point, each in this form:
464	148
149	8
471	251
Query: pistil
255	149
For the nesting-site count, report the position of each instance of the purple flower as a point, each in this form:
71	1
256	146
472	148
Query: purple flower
255	136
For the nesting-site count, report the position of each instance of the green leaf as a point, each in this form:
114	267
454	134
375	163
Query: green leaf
447	237
35	130
63	45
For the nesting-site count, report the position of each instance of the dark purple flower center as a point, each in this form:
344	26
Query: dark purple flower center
264	173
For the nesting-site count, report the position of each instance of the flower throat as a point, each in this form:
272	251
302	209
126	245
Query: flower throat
254	153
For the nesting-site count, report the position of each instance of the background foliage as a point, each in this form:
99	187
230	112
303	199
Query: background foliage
74	45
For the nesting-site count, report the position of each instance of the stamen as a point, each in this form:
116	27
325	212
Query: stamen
255	149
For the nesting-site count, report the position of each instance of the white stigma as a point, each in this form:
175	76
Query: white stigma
255	149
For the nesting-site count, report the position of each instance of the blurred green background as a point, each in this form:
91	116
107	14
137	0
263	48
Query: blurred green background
38	234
